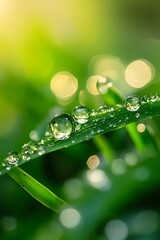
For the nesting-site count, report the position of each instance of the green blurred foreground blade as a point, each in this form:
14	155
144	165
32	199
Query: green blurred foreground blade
36	189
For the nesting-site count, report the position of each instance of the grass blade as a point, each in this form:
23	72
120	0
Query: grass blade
99	123
36	189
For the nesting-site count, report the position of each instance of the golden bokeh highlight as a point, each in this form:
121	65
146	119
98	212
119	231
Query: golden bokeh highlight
91	85
141	127
64	85
139	73
93	162
109	66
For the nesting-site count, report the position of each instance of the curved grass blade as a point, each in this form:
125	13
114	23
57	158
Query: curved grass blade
36	189
99	123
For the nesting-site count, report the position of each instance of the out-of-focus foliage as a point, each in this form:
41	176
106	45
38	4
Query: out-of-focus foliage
119	39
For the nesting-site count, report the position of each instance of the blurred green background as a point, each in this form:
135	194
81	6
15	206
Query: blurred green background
38	39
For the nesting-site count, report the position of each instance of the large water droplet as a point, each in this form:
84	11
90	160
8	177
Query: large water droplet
61	127
12	158
132	103
81	114
103	84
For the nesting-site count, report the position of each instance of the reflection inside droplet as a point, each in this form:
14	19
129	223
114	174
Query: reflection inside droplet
70	217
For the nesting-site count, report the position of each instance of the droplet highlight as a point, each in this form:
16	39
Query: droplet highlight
132	103
81	114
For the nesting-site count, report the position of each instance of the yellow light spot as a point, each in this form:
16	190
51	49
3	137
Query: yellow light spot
141	127
109	66
138	73
91	85
64	85
93	162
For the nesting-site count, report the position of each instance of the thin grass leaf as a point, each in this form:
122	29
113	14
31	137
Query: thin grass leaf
98	123
37	190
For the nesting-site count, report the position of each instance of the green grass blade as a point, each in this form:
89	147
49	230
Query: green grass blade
36	189
97	124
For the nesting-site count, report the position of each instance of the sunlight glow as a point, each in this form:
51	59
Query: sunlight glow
64	85
91	85
109	66
139	73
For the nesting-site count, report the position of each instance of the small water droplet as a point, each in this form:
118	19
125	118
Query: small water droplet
12	158
145	99
103	84
26	156
93	112
41	150
27	149
132	103
81	114
103	109
77	127
137	115
111	114
154	97
61	127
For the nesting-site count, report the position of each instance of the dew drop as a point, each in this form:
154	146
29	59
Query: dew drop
26	156
77	127
81	114
144	99
103	84
41	150
137	115
132	103
28	150
12	158
61	127
111	114
103	109
154	97
93	112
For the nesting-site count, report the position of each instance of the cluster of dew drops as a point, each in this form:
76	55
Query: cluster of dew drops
62	126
